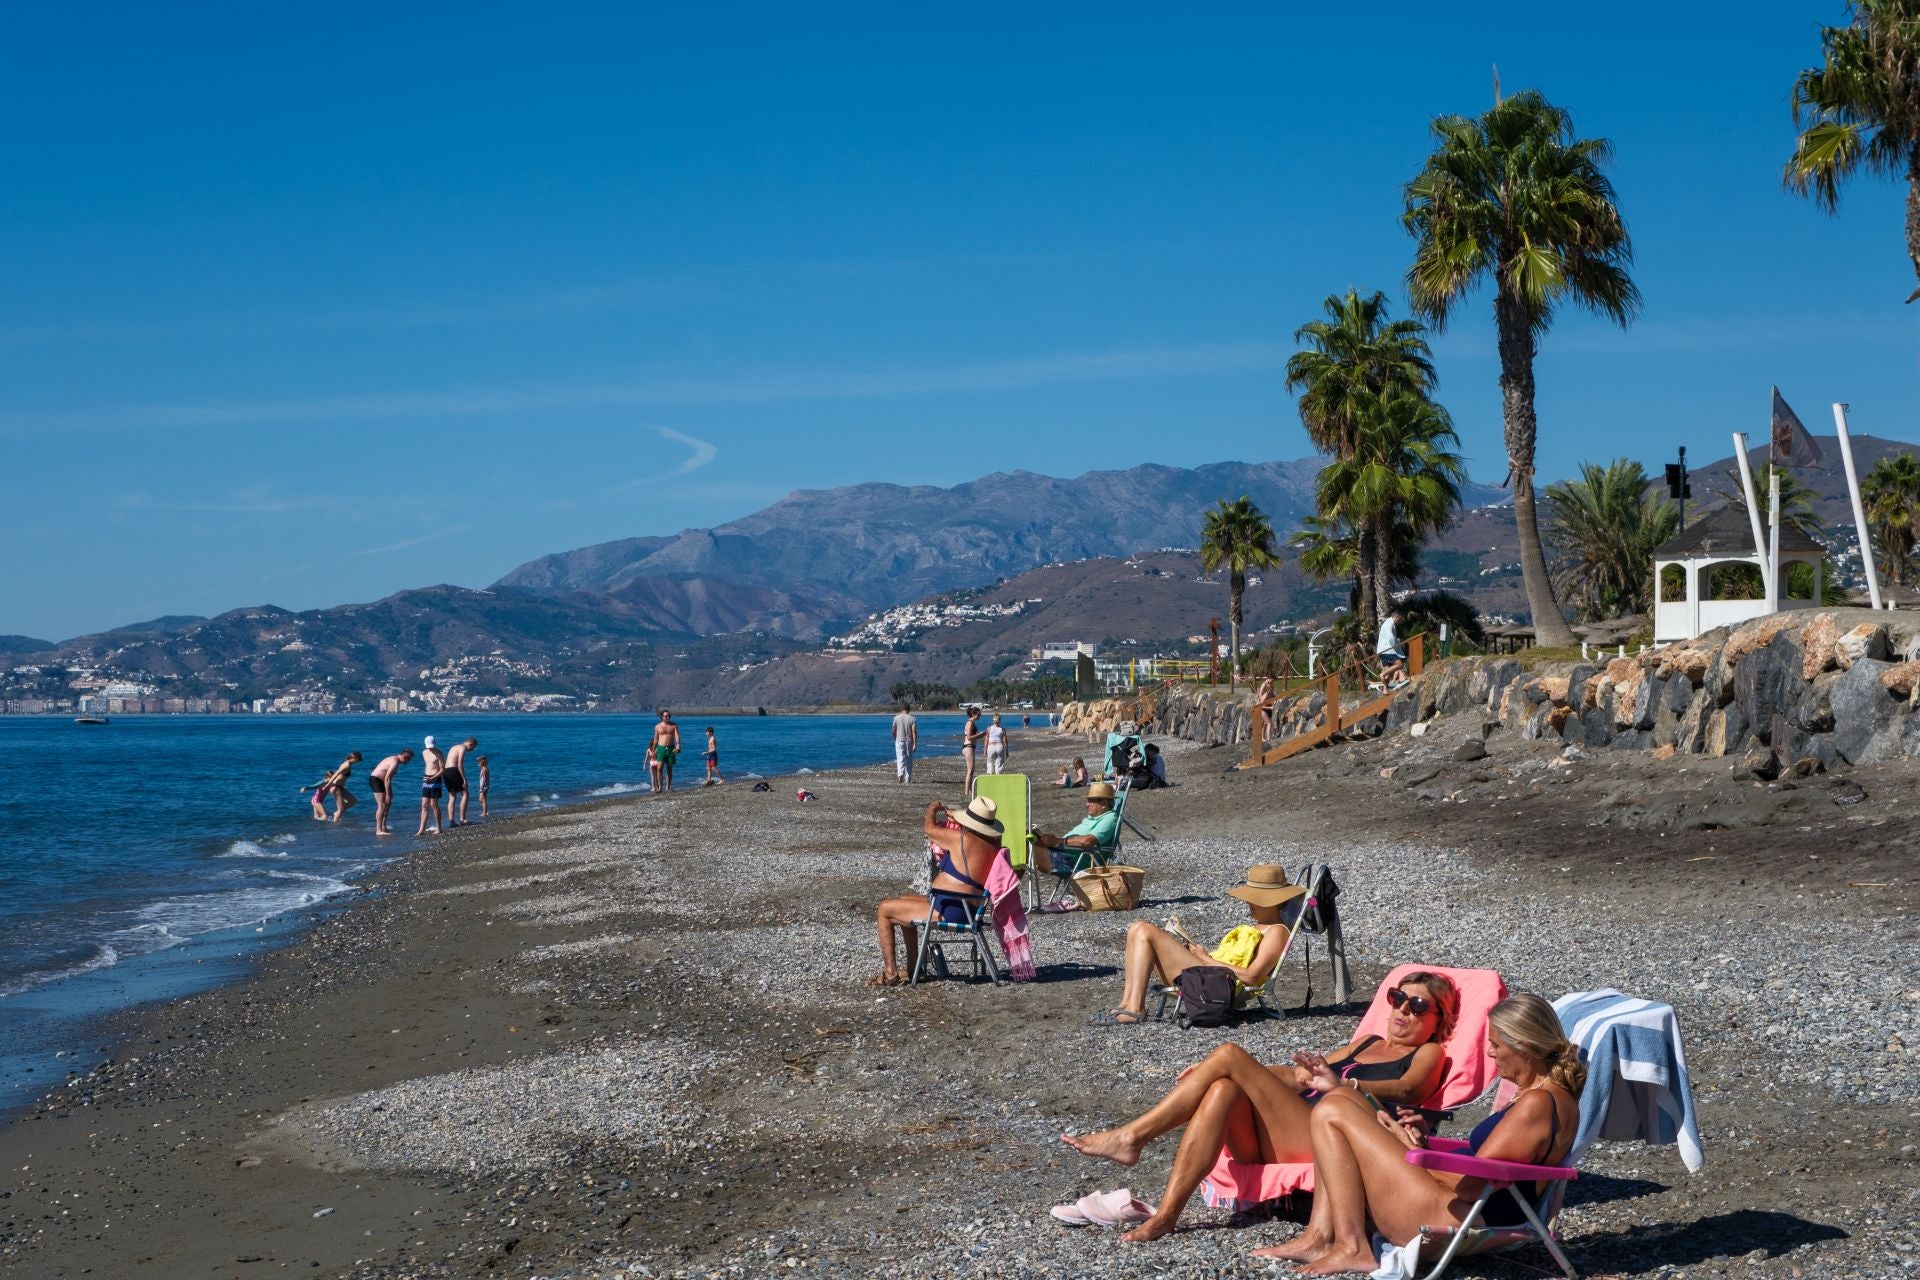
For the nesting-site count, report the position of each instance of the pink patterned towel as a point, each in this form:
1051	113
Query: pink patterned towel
1010	917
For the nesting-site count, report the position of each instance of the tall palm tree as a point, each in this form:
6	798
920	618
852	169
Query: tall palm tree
1515	197
1891	493
1604	528
1329	550
1860	109
1238	536
1402	482
1351	362
1797	509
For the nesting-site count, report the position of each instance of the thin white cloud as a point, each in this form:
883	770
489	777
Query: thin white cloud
767	387
404	543
701	452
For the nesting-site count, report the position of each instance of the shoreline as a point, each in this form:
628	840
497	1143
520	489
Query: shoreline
633	1035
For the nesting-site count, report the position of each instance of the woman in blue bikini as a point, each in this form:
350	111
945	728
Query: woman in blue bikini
963	846
1359	1154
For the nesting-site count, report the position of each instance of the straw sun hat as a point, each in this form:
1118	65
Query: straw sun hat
1100	791
1266	886
979	818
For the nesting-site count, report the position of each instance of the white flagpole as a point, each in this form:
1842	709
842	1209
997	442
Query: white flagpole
1753	505
1773	536
1863	536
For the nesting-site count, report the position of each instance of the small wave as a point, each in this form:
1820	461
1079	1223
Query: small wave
619	789
253	849
285	837
102	956
803	770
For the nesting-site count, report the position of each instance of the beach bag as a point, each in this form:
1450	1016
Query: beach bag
1110	888
1206	996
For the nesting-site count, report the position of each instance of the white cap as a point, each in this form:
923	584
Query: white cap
429	740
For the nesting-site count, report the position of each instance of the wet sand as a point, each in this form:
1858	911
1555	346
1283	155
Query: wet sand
634	1039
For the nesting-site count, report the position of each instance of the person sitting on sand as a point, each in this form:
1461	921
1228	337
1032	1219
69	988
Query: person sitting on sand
963	846
1096	832
1363	1183
335	785
1156	952
1265	1114
1079	772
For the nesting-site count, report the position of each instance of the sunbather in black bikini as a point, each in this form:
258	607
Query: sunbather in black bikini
1264	1114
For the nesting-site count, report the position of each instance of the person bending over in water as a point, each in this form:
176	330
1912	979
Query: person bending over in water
380	782
663	751
454	775
963	846
1363	1183
1265	1115
335	784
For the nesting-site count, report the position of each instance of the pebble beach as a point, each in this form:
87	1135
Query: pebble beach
634	1039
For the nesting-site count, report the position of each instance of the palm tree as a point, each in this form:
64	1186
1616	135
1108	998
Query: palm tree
1514	196
1860	109
1329	550
1891	493
1351	360
1796	500
1237	535
1401	483
1604	528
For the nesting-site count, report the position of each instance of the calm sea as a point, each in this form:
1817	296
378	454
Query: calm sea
153	856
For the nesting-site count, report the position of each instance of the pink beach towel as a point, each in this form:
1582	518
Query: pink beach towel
1010	917
1468	1072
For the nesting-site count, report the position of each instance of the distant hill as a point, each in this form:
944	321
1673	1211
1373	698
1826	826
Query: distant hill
17	646
871	546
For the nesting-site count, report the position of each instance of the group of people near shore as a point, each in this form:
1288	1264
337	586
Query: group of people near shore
1354	1112
663	752
444	773
992	740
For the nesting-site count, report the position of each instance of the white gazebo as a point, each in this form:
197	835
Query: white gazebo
1722	537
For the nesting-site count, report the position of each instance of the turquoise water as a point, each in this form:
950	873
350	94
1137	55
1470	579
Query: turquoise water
153	856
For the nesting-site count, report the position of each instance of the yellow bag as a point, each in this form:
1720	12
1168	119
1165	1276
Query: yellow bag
1239	947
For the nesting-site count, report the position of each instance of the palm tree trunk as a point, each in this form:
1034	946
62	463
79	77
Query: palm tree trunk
1236	587
1382	573
1516	394
1366	560
1913	214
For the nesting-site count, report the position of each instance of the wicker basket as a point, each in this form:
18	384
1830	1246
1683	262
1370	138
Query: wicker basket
1110	888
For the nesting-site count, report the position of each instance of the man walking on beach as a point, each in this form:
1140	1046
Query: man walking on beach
906	737
434	765
454	775
664	750
381	781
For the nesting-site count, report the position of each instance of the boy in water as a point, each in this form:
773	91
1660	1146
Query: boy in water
486	780
713	758
433	764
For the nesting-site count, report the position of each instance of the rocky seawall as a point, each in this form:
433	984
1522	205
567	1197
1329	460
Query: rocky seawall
1804	691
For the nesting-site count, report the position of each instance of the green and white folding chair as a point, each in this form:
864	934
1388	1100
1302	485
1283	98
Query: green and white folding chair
1013	793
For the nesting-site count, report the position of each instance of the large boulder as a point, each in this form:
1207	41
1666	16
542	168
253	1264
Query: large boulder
1690	734
1690	661
1868	640
1901	678
1814	712
1597	725
1870	721
1792	744
1767	682
1816	645
1726	728
1577	681
1634	699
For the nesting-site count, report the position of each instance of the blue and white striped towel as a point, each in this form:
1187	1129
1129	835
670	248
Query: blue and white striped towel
1637	1087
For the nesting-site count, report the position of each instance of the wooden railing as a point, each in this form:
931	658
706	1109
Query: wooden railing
1354	675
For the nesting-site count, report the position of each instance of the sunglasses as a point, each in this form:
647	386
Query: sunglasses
1415	1005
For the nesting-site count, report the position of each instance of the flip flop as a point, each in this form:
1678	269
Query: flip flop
1117	1018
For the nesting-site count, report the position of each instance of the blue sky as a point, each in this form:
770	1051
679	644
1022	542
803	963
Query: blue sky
310	306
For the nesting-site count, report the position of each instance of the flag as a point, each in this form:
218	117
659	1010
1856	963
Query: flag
1792	446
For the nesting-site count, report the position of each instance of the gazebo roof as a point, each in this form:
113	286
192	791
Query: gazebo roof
1726	531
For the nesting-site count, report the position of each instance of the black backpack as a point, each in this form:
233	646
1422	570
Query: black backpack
1206	996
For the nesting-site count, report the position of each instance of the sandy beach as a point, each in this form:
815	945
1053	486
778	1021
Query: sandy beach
634	1038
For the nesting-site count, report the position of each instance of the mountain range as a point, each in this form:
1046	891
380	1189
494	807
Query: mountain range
733	615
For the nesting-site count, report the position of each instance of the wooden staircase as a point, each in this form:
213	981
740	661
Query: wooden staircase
1336	718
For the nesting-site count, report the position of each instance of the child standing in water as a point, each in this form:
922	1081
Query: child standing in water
486	780
713	757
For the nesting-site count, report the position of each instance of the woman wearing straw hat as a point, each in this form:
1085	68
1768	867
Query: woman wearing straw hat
963	846
1152	950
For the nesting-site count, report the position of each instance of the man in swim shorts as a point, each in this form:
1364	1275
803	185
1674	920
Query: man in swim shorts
455	778
663	751
434	765
381	783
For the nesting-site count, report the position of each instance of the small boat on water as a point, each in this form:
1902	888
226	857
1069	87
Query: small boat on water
91	720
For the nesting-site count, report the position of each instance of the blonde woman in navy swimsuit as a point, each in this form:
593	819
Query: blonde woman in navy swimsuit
1265	1114
1362	1182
